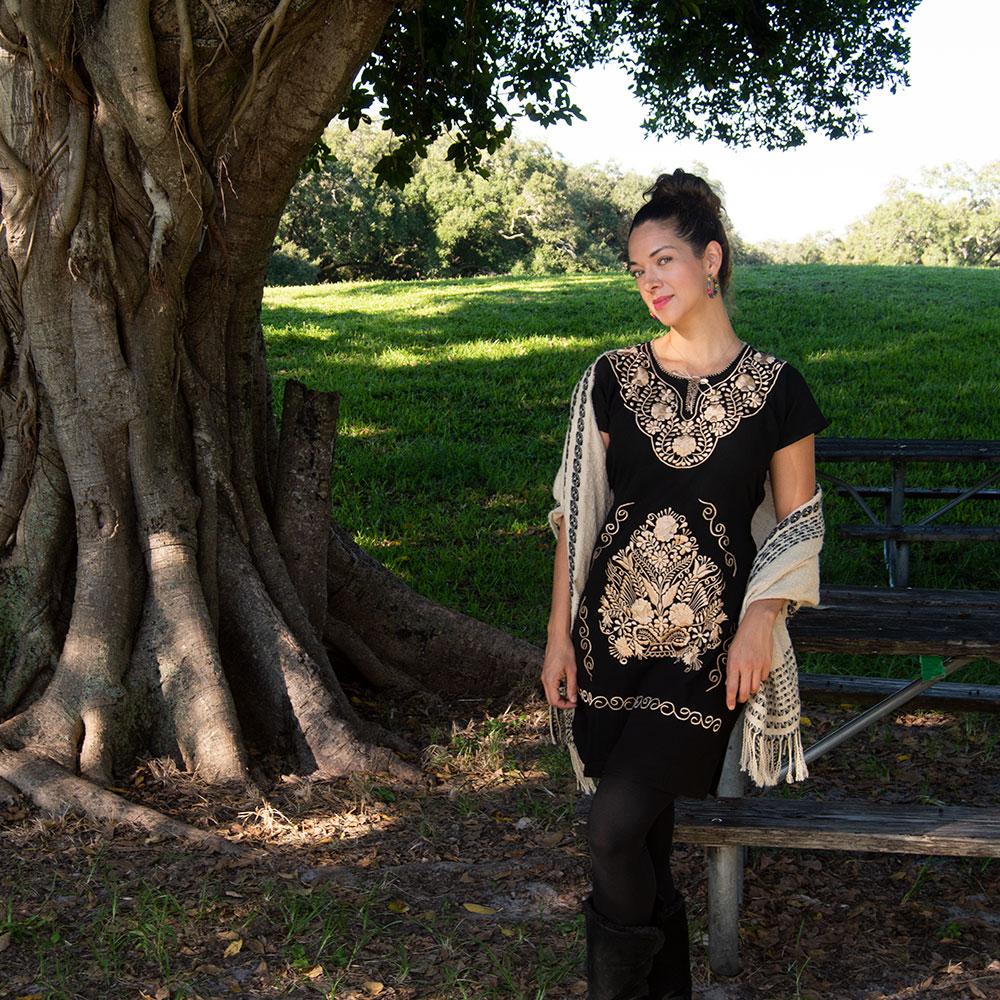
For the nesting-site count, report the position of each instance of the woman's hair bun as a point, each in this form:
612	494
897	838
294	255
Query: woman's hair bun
687	202
680	183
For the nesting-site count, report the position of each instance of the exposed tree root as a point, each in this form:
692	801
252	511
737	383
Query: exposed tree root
285	681
443	649
302	492
46	728
37	569
380	674
191	673
55	791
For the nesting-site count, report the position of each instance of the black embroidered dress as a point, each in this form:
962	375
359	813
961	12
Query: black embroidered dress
670	567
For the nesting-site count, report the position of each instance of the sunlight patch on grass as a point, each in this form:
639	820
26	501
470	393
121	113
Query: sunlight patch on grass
455	396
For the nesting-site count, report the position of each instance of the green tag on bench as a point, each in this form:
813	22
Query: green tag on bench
931	667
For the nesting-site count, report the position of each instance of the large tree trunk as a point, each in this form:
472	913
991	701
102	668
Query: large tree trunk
171	580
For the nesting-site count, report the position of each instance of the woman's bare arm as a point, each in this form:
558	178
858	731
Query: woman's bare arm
560	659
559	623
793	482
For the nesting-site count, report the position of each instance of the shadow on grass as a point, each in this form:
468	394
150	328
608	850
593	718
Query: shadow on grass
455	401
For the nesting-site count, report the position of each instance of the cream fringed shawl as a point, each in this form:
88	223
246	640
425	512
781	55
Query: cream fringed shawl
786	566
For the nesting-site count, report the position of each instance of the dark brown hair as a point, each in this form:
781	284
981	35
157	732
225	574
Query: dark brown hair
688	204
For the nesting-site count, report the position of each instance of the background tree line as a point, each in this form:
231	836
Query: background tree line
950	217
535	213
532	213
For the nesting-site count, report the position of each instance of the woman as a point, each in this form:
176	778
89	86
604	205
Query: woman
688	525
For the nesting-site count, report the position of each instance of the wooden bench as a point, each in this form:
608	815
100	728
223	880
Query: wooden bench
946	629
891	527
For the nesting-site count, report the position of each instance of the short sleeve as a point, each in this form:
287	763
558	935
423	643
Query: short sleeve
801	414
599	394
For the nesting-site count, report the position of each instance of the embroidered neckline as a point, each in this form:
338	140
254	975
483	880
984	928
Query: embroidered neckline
684	439
661	369
694	384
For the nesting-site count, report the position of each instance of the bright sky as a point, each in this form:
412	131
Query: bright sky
944	116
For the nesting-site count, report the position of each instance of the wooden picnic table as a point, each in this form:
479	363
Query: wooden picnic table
945	628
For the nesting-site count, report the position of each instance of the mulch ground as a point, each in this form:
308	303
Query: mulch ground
359	888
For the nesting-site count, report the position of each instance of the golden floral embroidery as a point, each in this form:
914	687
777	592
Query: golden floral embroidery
717	672
719	531
662	597
585	644
618	703
611	529
684	442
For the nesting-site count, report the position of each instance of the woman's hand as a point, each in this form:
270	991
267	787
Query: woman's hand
559	663
749	661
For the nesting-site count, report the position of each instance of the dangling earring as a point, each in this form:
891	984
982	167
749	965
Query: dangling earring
712	286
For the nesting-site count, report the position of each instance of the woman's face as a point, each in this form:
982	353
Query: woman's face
671	279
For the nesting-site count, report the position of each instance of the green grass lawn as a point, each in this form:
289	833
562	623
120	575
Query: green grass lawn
455	398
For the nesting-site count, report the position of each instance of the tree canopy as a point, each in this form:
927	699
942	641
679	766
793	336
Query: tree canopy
950	216
534	213
738	70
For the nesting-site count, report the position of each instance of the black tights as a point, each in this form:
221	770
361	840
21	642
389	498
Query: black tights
630	832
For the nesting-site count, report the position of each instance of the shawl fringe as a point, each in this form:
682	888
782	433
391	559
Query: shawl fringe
763	757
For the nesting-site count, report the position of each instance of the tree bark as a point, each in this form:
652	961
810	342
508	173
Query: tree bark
442	649
168	567
302	496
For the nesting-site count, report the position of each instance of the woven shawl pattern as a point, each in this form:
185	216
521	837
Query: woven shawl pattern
786	566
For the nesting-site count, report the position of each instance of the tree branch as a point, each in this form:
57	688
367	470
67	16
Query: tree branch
261	50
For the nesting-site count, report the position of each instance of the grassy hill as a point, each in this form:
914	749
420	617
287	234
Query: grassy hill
455	398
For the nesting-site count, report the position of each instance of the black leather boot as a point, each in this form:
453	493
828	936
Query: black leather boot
670	975
619	957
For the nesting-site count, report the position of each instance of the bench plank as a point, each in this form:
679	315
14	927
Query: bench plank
919	492
907	621
839	826
922	533
955	600
944	696
833	449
